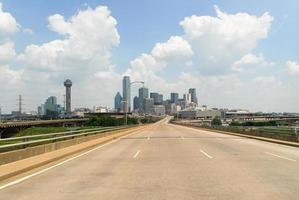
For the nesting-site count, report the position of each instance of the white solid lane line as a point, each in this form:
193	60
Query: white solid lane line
283	157
206	154
58	164
54	166
136	154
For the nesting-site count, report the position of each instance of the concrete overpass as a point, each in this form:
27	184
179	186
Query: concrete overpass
166	161
18	125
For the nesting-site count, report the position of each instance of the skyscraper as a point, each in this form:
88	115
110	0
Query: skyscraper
117	102
68	85
127	93
158	98
155	96
192	92
136	103
143	94
50	108
148	105
174	97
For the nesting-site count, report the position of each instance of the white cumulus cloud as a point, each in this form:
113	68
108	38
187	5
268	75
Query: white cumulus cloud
251	60
7	51
292	68
8	23
219	41
88	38
9	77
175	49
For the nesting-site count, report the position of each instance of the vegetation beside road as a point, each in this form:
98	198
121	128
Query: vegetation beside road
253	123
216	121
94	122
110	121
36	130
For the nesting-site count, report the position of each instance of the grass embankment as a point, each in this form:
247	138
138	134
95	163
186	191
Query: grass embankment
41	130
279	130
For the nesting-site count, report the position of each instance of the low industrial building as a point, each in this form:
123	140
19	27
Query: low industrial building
199	114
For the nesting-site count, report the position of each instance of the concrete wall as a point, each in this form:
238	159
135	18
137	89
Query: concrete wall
15	155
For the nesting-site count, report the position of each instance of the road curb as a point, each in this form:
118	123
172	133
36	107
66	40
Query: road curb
293	144
15	168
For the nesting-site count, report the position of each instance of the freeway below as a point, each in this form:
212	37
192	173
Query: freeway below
167	161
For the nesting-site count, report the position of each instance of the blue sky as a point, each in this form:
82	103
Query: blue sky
143	24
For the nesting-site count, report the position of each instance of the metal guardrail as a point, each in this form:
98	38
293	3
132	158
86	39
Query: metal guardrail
53	137
280	133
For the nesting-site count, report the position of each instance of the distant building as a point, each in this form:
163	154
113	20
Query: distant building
159	110
155	96
50	108
117	102
188	114
158	98
127	93
148	105
68	85
142	94
199	114
102	109
166	102
123	107
136	103
171	108
81	112
182	103
192	92
174	97
187	98
41	110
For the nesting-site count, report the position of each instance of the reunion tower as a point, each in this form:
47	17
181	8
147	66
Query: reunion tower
68	85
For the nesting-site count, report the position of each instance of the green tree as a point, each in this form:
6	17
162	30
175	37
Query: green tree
216	121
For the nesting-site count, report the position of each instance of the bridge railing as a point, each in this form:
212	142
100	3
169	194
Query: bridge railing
33	140
281	133
39	122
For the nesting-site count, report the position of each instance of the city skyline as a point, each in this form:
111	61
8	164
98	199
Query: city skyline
229	71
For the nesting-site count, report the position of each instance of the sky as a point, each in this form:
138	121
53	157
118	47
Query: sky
237	54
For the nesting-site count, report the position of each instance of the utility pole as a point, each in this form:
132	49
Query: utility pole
0	122
0	117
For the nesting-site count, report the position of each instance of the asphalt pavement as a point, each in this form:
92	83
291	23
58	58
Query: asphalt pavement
171	162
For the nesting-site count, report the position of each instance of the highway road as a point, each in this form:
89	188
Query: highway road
168	162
